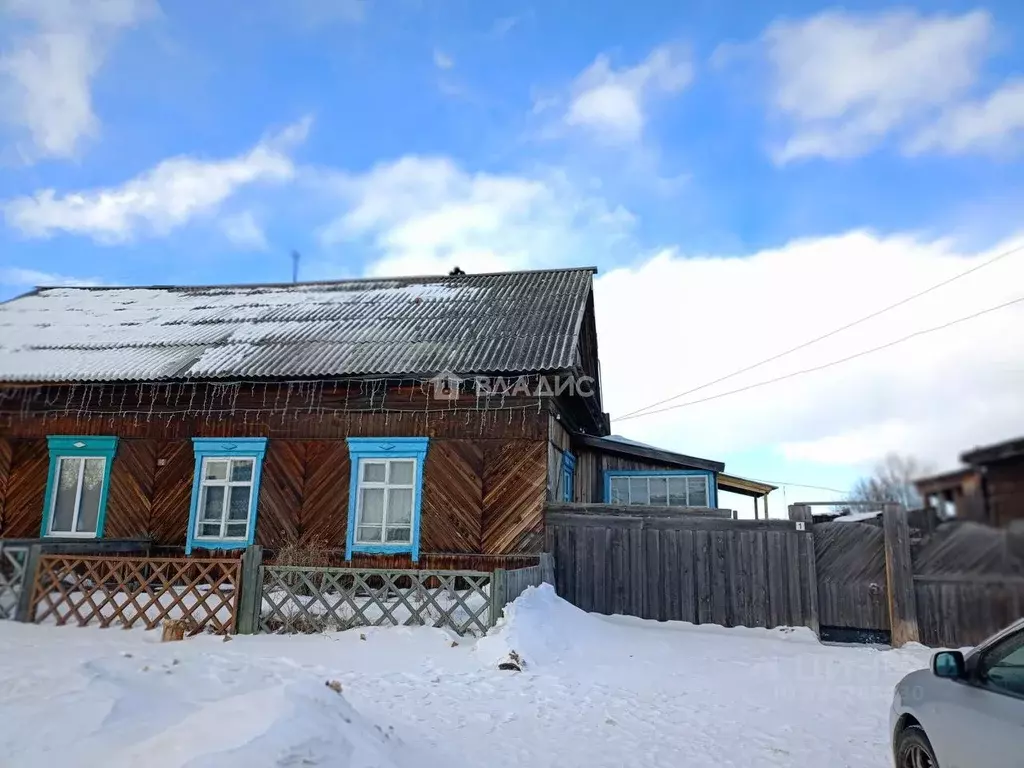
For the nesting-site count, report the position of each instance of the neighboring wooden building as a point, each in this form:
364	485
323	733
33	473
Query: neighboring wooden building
384	421
990	489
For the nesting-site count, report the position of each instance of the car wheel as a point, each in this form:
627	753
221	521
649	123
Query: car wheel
913	750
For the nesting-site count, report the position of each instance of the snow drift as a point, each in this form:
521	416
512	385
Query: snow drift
206	711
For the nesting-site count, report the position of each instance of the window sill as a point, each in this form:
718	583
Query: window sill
382	549
219	543
69	535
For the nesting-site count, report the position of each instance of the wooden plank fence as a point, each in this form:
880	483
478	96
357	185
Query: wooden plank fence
683	566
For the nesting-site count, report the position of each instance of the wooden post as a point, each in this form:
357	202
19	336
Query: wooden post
499	594
755	508
802	517
547	568
250	601
26	600
899	574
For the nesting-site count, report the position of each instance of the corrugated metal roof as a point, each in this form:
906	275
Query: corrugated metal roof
417	326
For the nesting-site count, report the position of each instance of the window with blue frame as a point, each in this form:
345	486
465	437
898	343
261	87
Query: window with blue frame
76	486
683	488
385	495
225	492
568	475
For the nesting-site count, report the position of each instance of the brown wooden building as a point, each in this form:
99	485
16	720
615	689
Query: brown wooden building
990	489
397	421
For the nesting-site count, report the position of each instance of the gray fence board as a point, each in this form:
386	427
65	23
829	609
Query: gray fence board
684	568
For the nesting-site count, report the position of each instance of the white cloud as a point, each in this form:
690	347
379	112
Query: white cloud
18	277
426	215
244	232
159	200
933	397
54	51
612	104
442	60
842	82
994	123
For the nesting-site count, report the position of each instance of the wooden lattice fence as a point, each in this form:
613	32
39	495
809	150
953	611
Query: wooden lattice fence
302	599
130	591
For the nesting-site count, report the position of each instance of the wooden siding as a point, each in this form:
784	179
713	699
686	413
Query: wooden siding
306	412
130	499
453	497
26	489
1004	487
5	476
172	492
515	480
484	478
559	442
323	517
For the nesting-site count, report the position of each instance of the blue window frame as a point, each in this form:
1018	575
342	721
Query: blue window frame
225	492
385	495
77	484
568	475
675	488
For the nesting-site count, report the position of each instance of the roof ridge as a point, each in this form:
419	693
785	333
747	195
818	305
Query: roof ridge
304	283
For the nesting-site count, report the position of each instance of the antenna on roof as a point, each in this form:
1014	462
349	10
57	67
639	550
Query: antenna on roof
295	266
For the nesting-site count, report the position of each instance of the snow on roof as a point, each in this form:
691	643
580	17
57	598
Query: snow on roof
508	322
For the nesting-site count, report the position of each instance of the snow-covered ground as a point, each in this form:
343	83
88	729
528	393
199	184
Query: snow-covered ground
596	691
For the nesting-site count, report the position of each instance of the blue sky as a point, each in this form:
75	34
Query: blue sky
743	174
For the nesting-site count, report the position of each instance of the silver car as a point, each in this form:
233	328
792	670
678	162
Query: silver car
966	711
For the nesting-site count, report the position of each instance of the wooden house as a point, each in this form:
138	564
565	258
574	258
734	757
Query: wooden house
989	489
385	422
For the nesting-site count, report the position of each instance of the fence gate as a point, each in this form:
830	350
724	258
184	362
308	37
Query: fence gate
853	603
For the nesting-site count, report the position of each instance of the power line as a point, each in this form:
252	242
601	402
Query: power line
781	483
638	414
864	319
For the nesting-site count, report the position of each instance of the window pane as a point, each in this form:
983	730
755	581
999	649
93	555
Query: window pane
237	530
399	506
67	493
677	491
659	491
401	472
368	534
89	506
241	470
399	535
638	490
209	529
374	471
620	491
1003	666
212	503
216	470
371	509
698	491
238	503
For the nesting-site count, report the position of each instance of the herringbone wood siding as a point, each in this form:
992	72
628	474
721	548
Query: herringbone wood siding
323	517
5	475
452	507
284	469
515	486
172	491
130	499
26	489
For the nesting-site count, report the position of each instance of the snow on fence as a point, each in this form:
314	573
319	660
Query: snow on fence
13	575
130	591
308	599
